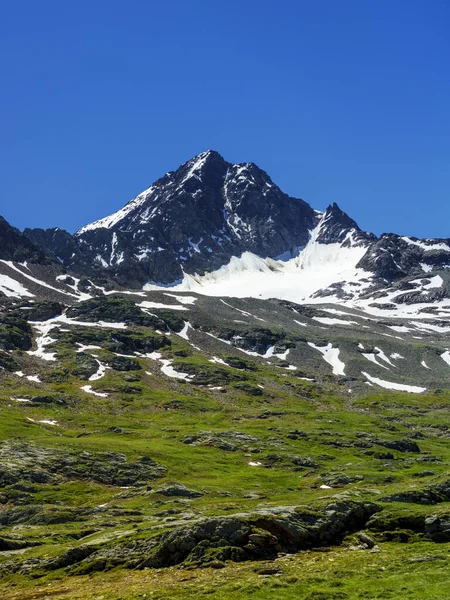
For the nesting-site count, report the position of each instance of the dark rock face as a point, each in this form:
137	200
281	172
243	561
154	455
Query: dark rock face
15	333
121	363
84	366
7	362
191	220
178	490
337	227
40	311
114	309
393	257
17	247
255	339
253	536
196	219
400	445
55	242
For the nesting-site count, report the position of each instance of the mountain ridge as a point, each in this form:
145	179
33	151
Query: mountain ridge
212	226
251	409
197	217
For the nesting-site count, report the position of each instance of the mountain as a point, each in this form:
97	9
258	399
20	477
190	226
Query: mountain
289	391
18	247
26	269
55	242
194	221
219	228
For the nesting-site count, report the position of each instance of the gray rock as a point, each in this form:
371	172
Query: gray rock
437	528
400	445
365	539
433	494
178	490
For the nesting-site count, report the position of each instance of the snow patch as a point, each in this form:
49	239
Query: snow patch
218	361
149	304
83	348
330	321
43	340
34	378
400	328
168	370
317	266
99	373
373	358
88	389
300	323
183	333
446	356
427	247
389	385
182	299
11	265
12	288
45	421
331	356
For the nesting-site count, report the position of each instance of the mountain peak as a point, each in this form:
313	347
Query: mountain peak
196	218
17	247
208	154
334	208
209	163
337	227
204	158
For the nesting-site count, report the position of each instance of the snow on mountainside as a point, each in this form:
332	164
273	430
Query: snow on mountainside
313	294
194	220
226	229
40	281
316	266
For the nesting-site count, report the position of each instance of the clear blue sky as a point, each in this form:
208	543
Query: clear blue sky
338	100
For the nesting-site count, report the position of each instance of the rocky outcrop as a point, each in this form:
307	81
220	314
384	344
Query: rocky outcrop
177	490
252	536
191	220
433	494
15	332
33	464
198	218
247	536
336	227
393	257
17	247
437	528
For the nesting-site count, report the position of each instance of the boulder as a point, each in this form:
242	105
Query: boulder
179	490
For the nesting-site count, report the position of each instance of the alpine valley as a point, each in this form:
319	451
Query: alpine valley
218	391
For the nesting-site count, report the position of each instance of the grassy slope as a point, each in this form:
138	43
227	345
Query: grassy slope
157	414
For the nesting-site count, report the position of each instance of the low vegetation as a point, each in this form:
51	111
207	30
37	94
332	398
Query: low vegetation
233	478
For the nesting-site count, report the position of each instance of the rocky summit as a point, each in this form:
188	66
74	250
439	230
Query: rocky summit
211	221
191	220
218	391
